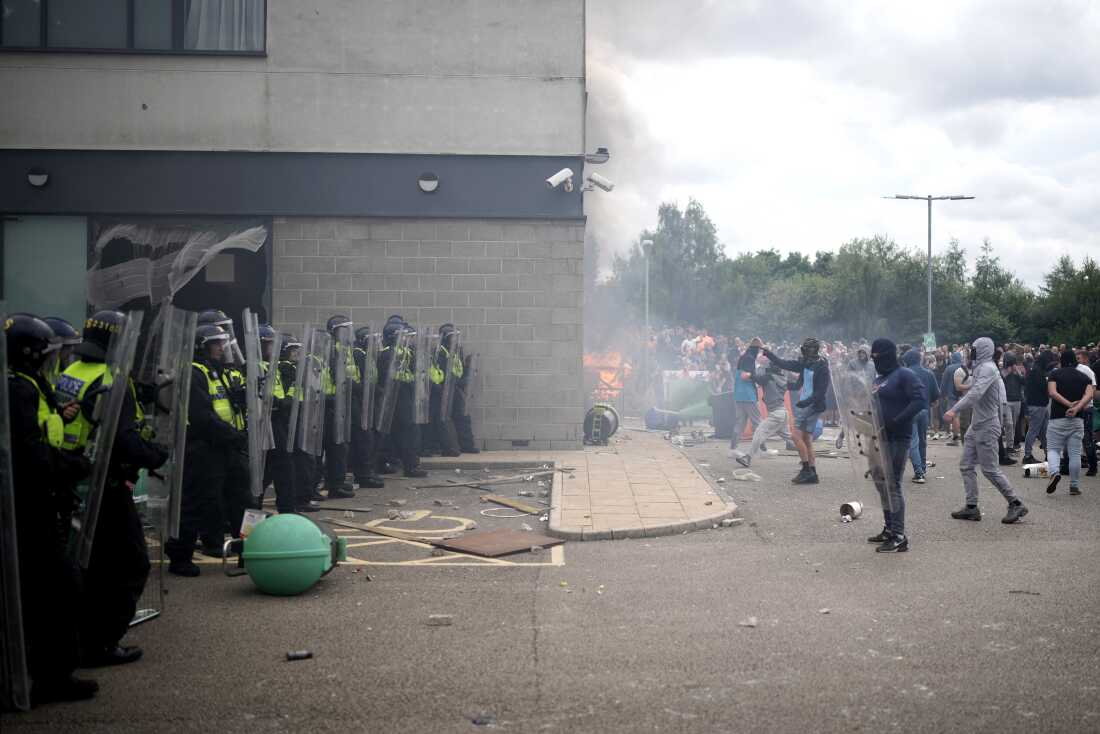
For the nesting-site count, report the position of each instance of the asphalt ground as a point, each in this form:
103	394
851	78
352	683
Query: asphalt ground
980	627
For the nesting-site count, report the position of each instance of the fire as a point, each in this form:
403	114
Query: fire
610	370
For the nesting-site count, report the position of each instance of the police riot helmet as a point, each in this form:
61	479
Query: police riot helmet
214	316
362	335
29	340
208	334
811	348
63	330
335	322
267	334
98	331
289	342
445	333
389	333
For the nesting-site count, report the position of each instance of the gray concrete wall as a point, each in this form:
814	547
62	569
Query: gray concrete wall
390	76
513	287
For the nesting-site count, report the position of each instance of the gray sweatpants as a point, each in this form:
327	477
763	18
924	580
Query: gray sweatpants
1010	423
746	413
774	425
980	449
1037	417
1064	435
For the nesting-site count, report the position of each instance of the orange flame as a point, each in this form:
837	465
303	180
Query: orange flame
611	371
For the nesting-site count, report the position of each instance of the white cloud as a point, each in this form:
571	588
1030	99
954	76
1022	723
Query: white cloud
789	121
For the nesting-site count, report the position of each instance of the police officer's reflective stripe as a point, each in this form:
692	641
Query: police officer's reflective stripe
404	365
73	386
291	391
351	369
277	390
218	396
371	376
50	423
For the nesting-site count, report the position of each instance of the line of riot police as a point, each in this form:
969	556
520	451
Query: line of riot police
201	427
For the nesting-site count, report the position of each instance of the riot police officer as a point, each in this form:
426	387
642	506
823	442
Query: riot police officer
69	338
363	440
336	452
43	475
214	439
119	564
448	359
404	432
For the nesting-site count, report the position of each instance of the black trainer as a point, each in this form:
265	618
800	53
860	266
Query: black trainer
744	460
882	537
811	477
1074	490
415	473
341	493
1029	459
800	478
897	543
967	513
1015	512
1053	483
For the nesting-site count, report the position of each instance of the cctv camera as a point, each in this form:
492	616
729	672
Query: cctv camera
598	180
564	176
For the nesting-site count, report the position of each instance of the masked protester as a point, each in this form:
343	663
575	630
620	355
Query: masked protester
901	396
744	395
985	396
813	383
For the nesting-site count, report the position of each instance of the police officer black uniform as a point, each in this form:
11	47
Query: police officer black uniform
361	457
336	454
213	441
43	476
405	433
119	565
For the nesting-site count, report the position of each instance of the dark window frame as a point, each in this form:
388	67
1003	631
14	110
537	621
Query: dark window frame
178	20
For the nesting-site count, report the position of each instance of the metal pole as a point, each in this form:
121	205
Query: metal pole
645	346
929	264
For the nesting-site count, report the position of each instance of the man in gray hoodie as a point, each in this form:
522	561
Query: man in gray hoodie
985	397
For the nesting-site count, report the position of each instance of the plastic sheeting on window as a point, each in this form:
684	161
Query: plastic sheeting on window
152	260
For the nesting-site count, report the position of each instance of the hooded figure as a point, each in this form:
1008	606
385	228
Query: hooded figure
986	398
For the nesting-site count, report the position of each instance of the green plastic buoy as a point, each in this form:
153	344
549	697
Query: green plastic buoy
287	554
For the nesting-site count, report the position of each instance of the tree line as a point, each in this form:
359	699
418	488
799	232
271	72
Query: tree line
869	287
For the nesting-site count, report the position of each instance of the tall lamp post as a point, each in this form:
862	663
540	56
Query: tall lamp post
929	199
647	245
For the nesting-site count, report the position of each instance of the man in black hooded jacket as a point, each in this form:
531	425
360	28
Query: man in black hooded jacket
1037	402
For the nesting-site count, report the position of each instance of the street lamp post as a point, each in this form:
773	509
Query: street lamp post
646	246
929	199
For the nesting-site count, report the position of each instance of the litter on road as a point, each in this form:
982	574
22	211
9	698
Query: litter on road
440	620
299	655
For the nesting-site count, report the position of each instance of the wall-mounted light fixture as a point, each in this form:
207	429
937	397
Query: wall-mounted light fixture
38	177
428	182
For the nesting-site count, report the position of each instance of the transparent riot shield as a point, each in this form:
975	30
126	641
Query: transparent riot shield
259	394
299	385
311	422
369	370
391	363
342	366
868	448
108	406
15	684
453	370
427	343
165	378
472	379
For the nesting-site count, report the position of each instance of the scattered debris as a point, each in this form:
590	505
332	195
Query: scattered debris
349	514
440	620
1023	591
437	552
544	518
514	504
749	622
494	543
729	522
563	583
845	518
394	514
746	475
458	471
397	503
298	655
709	502
824	610
721	480
527	527
525	493
483	720
536	549
543	485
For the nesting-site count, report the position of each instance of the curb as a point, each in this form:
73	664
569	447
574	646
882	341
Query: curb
676	528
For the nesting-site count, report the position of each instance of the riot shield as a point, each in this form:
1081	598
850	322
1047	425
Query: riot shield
311	422
259	412
427	343
116	382
862	417
15	684
472	378
370	382
299	385
165	375
390	365
342	366
452	373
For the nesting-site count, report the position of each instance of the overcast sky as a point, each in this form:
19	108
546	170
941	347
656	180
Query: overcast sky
789	120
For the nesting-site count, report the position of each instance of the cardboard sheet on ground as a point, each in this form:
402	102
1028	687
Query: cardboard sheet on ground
493	543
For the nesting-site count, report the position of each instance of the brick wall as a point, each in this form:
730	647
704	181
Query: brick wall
514	288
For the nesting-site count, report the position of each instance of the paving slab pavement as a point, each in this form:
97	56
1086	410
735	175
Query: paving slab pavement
640	485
